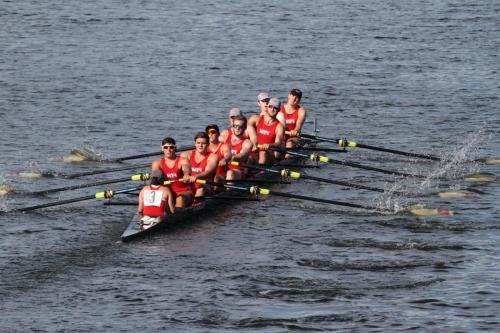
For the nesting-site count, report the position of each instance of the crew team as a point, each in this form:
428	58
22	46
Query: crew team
174	177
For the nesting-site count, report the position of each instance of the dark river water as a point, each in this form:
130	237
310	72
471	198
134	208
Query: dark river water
116	77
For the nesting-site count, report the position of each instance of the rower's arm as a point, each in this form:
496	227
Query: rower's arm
226	152
300	119
170	199
212	162
223	136
156	165
140	204
252	133
280	131
245	151
185	166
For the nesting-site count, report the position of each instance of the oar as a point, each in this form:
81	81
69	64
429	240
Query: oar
325	159
255	190
126	158
330	150
108	194
353	144
95	172
287	173
139	177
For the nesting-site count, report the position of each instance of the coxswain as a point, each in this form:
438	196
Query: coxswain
203	164
175	168
155	200
222	151
269	132
295	117
240	147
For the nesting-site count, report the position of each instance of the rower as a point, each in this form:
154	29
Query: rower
269	132
234	112
222	151
203	164
175	168
262	101
240	147
153	200
295	116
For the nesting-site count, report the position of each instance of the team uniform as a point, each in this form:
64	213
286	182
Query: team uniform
221	170
266	134
154	203
198	167
174	174
235	150
290	119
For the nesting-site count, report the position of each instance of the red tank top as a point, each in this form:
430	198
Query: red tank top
198	167
266	133
218	152
235	149
154	202
174	173
290	118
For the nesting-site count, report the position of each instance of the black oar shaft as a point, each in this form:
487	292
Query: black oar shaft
296	196
78	186
56	203
386	150
398	152
332	150
323	180
342	183
126	158
351	164
63	202
95	172
333	202
121	159
366	167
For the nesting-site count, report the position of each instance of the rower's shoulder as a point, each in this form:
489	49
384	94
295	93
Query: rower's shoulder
254	119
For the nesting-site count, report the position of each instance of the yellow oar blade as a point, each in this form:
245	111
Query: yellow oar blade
33	174
422	211
459	194
5	190
480	177
490	160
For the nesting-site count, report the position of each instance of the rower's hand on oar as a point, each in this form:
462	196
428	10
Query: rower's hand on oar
292	133
264	146
190	179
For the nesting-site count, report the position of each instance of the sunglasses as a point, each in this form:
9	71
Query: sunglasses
169	147
272	107
212	131
265	100
238	126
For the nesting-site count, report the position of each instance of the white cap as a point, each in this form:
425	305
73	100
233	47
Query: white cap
235	112
263	95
